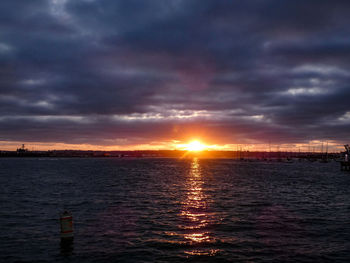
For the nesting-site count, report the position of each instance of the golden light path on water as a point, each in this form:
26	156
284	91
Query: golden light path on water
196	214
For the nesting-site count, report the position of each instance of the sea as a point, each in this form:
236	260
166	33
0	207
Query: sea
174	210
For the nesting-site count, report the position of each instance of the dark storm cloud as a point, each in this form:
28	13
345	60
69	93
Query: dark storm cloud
80	71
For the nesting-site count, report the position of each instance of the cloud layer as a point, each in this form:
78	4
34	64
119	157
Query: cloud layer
112	72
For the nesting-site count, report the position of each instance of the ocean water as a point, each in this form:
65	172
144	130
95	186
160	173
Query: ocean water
170	210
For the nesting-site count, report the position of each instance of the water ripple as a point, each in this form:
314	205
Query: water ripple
168	210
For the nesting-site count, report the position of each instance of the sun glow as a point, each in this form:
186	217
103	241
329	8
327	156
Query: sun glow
195	146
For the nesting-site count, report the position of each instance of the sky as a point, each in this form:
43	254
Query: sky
110	74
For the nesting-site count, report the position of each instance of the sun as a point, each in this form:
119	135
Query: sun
195	146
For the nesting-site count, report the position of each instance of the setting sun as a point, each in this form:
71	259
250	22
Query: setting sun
195	146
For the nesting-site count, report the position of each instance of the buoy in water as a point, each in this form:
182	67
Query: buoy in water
66	220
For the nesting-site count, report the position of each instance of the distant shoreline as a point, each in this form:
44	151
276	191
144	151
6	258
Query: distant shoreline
171	154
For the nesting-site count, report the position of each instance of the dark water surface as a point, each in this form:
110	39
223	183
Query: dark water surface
168	210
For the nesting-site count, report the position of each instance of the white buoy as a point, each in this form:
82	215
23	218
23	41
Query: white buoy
66	220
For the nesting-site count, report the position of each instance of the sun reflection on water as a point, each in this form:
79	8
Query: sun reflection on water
196	215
